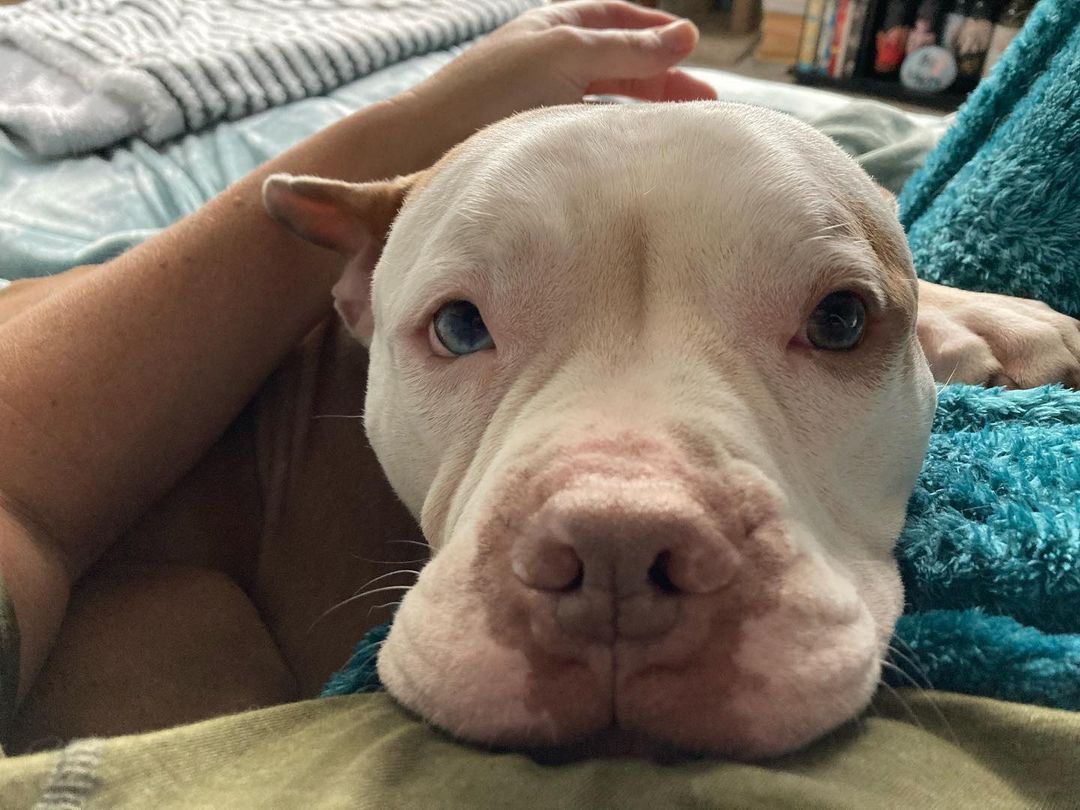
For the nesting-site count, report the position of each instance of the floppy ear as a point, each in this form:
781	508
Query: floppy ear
352	219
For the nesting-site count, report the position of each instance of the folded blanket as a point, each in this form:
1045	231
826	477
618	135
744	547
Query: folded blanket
990	554
997	205
991	551
81	75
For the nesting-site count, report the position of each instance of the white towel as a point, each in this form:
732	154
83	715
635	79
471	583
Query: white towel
80	75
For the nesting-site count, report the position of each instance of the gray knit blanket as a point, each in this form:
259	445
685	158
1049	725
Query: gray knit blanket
80	75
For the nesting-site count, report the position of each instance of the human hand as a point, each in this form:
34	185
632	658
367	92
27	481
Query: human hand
559	53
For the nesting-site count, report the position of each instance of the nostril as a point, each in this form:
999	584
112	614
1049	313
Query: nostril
548	566
660	573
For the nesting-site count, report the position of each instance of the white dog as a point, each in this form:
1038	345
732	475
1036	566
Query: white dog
649	378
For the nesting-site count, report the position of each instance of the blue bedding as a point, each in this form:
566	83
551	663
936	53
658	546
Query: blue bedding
59	214
83	210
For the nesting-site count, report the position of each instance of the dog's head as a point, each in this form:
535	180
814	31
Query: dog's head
648	377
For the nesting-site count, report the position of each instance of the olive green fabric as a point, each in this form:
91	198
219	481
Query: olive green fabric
9	664
928	750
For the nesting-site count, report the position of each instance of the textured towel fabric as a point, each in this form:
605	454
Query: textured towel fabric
990	554
85	74
359	675
997	205
991	551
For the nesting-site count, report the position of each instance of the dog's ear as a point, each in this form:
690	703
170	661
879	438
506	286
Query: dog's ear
352	219
344	217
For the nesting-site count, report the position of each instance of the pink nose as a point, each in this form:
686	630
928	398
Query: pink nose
619	557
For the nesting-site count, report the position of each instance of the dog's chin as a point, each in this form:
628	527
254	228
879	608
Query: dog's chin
752	724
784	687
649	723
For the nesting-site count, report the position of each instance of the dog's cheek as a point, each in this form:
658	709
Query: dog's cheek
880	588
819	680
880	440
399	444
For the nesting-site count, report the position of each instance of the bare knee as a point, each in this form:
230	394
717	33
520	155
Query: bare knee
146	646
37	584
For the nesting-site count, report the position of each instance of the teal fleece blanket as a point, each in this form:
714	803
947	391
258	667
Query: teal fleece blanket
991	551
990	554
996	206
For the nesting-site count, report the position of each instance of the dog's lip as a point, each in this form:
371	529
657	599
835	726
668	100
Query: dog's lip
618	730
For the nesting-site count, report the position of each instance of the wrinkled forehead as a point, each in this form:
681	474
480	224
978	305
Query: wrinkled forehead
721	185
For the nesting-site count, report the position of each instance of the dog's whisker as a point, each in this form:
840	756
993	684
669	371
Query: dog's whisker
929	695
387	575
383	589
383	606
906	706
411	543
900	671
906	644
354	598
911	661
338	416
389	562
910	657
952	374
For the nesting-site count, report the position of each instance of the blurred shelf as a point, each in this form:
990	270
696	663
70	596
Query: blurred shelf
884	88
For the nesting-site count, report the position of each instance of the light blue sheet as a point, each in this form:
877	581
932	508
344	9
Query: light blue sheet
59	214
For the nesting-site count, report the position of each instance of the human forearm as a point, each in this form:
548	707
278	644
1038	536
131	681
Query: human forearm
115	385
118	382
117	378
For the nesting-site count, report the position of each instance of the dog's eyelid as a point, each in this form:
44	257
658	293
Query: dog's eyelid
873	296
861	282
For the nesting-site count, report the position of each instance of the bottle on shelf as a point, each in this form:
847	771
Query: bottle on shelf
891	38
922	33
973	41
954	19
1010	22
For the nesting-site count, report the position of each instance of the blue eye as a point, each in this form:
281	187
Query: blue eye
460	329
837	323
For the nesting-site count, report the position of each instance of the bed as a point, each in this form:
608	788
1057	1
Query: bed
914	748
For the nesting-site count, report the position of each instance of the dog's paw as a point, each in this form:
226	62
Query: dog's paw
987	339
